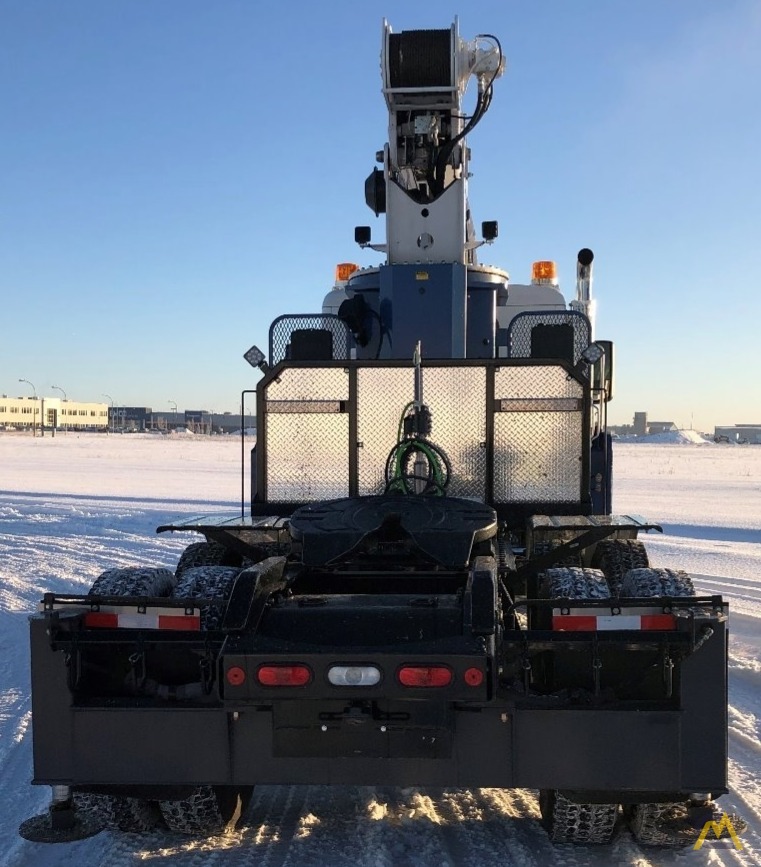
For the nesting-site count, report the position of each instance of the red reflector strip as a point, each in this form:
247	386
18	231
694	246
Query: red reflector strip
101	620
577	622
180	621
658	621
153	618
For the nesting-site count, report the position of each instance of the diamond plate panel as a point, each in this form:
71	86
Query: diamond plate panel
307	452
382	393
307	456
519	331
535	383
310	383
537	455
455	397
457	400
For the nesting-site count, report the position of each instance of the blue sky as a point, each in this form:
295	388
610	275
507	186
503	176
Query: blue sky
176	173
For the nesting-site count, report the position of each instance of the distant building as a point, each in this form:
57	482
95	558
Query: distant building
654	427
200	421
642	427
51	413
738	433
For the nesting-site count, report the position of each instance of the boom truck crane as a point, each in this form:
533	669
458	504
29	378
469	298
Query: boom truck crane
429	585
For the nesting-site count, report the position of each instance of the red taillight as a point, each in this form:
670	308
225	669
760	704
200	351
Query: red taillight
474	677
284	675
235	675
424	675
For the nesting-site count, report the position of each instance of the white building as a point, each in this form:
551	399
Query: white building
28	413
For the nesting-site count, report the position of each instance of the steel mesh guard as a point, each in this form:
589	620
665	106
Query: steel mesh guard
521	328
538	436
455	397
538	430
307	457
381	396
282	328
307	437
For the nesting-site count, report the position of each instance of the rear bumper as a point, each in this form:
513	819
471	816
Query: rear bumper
385	740
616	751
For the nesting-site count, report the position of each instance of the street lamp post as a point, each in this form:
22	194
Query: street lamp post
111	424
34	409
58	388
174	404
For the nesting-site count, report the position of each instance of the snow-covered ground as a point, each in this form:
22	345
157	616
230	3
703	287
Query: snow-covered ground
73	505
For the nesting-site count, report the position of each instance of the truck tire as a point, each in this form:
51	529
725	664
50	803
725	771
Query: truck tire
649	824
656	582
573	582
119	813
115	811
208	582
615	557
568	822
133	581
564	820
200	554
209	810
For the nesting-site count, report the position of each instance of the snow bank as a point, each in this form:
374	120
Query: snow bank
674	437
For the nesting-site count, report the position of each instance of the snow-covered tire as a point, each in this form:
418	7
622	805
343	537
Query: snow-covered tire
656	582
207	582
652	824
615	557
200	554
133	581
209	810
118	813
568	822
572	582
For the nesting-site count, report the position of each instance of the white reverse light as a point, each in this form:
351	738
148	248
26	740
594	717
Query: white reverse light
354	675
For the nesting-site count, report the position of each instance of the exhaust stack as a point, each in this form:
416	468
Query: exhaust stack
584	302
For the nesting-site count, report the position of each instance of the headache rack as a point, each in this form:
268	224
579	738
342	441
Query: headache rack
516	431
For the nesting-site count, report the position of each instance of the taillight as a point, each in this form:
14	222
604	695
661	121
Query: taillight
235	675
424	675
474	677
354	675
284	675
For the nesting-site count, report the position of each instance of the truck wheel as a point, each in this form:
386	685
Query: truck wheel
656	582
209	810
117	812
650	824
564	820
126	814
207	582
133	581
615	557
572	582
200	554
568	822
